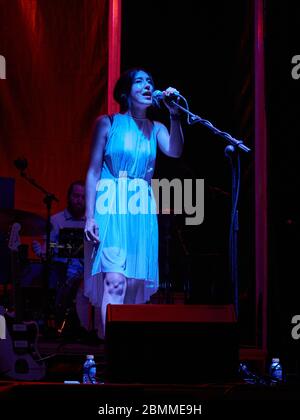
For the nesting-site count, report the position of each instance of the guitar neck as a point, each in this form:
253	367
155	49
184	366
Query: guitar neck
15	275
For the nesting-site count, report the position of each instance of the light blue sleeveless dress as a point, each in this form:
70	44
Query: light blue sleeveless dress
125	209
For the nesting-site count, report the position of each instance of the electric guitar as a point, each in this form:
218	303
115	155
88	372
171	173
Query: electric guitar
19	356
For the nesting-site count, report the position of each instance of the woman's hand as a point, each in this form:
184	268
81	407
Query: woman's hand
168	93
91	231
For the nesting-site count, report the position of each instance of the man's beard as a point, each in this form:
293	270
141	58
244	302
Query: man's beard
77	211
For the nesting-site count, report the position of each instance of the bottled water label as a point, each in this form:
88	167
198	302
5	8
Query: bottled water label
276	370
89	371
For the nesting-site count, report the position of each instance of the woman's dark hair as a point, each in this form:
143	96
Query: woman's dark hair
123	86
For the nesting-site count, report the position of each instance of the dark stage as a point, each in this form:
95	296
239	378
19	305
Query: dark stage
228	288
213	399
190	346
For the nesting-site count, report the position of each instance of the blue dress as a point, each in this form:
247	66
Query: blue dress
125	209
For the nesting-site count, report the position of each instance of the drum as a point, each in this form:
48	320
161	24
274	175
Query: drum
30	291
31	274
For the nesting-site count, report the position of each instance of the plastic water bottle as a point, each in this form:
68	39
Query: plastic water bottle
276	371
89	370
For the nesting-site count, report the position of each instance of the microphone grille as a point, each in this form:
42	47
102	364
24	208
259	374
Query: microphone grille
157	94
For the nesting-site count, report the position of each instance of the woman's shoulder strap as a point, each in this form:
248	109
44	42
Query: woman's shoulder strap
111	118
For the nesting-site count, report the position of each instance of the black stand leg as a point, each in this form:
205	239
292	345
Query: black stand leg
22	165
232	154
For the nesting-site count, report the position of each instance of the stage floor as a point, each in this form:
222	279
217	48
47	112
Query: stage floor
63	360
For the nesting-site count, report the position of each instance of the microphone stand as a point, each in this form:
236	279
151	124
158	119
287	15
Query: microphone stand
234	159
48	200
232	153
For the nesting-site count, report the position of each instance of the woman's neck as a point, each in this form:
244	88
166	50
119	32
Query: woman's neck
137	114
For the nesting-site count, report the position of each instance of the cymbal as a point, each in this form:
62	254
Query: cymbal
31	224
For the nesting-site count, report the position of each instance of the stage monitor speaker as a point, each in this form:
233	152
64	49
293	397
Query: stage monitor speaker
7	193
171	343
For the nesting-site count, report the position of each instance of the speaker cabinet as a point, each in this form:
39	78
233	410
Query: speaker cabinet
171	343
7	193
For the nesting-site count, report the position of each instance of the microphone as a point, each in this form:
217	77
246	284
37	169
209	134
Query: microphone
158	96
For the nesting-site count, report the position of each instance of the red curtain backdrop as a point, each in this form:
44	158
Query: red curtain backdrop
56	54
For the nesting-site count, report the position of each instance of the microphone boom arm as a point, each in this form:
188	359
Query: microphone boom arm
197	119
33	182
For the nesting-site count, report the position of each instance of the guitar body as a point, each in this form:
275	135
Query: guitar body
19	356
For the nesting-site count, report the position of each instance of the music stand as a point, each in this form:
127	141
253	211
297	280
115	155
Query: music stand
70	243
